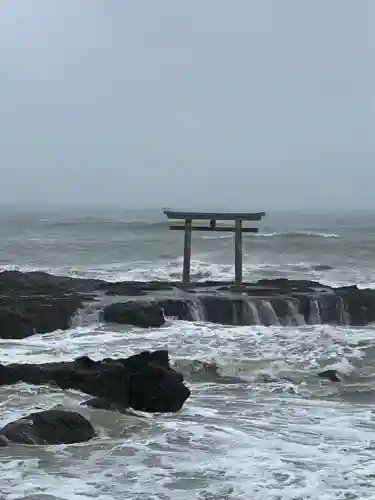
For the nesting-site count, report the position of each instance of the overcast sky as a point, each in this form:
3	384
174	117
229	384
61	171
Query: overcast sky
240	103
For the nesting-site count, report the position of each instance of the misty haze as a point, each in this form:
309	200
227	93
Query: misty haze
262	105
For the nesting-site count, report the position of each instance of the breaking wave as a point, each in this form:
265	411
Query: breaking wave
255	371
201	270
299	234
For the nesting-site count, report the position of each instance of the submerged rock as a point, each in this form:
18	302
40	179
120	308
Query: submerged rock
144	381
103	404
134	312
48	427
331	375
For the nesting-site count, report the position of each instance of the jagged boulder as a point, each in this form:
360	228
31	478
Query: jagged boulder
144	381
48	427
133	312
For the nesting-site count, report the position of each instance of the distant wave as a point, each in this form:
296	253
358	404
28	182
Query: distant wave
298	234
286	234
104	223
108	223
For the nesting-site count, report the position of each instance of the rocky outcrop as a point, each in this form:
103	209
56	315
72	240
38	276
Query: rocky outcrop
48	427
144	382
16	283
266	302
134	312
39	302
35	303
21	317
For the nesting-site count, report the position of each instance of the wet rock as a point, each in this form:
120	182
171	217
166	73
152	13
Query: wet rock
176	308
21	317
41	302
16	283
224	310
360	304
135	288
330	375
134	312
322	267
144	381
48	427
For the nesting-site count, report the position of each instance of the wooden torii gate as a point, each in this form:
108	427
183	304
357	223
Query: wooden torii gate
208	221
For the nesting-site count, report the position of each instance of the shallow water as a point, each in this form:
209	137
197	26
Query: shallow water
261	425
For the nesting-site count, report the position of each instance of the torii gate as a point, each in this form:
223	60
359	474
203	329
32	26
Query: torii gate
212	218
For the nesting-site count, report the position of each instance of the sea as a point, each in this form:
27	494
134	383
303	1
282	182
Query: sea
260	424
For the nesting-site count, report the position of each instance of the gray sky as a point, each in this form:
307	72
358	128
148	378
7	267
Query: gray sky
254	104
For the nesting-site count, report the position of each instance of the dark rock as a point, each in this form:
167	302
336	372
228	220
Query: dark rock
330	308
135	288
322	267
176	308
41	302
48	427
282	286
21	317
360	304
137	313
40	283
144	381
120	290
223	310
330	375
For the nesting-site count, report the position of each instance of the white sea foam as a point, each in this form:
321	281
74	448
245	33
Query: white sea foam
314	234
201	270
277	433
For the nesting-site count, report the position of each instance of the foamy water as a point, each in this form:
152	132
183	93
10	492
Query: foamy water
261	426
201	271
137	245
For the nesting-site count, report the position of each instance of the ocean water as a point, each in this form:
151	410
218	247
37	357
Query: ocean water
259	424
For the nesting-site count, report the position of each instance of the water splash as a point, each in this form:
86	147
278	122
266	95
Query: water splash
314	318
268	313
197	310
250	313
85	317
344	315
295	316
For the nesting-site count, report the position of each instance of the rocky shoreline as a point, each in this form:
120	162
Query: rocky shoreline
38	302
